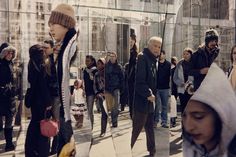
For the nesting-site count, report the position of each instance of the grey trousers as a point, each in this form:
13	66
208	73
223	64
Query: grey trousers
90	102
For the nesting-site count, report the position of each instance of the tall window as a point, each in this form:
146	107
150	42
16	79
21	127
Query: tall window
213	9
49	6
98	43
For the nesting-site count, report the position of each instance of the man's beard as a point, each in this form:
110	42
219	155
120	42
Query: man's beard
212	48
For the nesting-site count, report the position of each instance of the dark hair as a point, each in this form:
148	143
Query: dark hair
217	124
132	33
50	42
4	45
173	60
163	52
36	53
92	59
231	53
210	35
135	46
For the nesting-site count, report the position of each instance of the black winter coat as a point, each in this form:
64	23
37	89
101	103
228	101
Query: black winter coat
114	77
201	59
131	75
163	75
41	91
89	74
6	92
131	67
173	85
53	81
145	82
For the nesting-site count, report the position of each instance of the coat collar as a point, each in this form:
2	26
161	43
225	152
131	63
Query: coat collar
149	54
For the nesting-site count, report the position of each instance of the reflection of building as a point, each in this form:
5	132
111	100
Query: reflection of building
4	30
104	24
108	24
196	16
24	23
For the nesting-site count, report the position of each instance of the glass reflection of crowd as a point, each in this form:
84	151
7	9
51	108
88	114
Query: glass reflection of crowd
148	84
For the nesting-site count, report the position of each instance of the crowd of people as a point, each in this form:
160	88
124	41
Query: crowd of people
149	84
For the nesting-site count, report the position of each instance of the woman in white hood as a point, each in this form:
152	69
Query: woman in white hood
209	123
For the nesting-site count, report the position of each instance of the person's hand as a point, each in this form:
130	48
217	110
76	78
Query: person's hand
84	94
48	108
204	70
73	153
99	95
151	98
48	112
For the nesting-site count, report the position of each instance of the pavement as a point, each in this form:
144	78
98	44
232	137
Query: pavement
175	140
115	143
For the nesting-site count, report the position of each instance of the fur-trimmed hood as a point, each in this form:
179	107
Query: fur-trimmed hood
6	50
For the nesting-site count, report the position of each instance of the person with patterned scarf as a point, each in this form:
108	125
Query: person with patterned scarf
99	85
62	23
88	76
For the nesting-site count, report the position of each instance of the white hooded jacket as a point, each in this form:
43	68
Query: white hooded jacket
216	91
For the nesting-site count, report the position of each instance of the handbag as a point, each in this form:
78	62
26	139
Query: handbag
49	127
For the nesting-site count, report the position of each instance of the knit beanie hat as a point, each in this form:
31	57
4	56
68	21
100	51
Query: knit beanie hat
63	15
211	34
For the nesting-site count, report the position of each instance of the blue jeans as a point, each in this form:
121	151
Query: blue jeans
162	97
